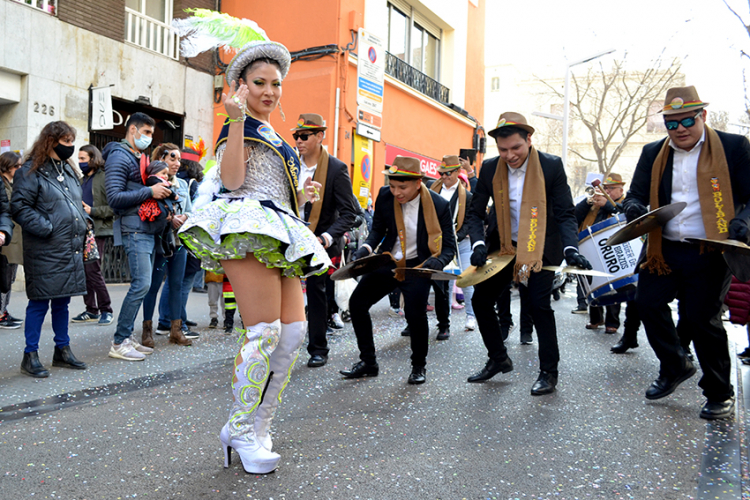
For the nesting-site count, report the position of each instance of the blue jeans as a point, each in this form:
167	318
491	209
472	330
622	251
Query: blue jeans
36	310
185	287
139	248
174	268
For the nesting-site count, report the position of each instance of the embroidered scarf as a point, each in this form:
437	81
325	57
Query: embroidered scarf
532	225
714	193
258	131
432	224
321	175
437	186
591	216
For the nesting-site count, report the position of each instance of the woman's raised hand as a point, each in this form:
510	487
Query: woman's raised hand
236	101
311	189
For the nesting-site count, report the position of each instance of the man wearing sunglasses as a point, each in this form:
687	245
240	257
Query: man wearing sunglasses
710	171
330	216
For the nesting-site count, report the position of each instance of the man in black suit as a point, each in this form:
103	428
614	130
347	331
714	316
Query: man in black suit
710	171
330	216
413	224
526	176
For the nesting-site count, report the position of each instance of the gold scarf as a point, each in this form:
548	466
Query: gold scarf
714	193
437	186
432	224
532	225
591	216
321	175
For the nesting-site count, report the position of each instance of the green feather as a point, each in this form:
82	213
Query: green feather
207	29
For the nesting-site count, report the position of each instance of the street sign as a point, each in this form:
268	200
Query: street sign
372	119
370	72
367	131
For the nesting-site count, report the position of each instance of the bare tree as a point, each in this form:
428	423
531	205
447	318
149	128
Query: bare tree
718	120
743	53
614	105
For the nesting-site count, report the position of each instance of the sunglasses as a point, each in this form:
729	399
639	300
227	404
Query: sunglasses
685	122
446	174
172	155
301	137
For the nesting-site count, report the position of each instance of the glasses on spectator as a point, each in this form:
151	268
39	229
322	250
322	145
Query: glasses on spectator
685	122
172	155
446	174
301	137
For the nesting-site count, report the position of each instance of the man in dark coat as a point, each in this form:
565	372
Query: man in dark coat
526	177
710	171
414	225
330	216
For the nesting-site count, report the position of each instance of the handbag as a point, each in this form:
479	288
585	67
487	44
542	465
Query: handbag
343	289
90	248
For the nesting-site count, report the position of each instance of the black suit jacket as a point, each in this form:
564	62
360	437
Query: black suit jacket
464	231
562	229
339	209
737	152
385	233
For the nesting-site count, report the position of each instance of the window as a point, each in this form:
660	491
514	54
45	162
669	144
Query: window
49	6
495	85
148	25
413	38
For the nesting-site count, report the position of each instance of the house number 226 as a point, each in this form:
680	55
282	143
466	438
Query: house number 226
44	109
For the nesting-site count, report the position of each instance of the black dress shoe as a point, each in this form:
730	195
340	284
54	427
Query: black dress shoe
64	358
713	410
361	369
491	369
664	386
32	366
417	376
623	345
545	384
317	360
443	334
406	332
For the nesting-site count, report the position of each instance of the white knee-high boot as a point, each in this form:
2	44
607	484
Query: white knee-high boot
251	370
282	361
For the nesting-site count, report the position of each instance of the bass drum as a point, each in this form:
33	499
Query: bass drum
619	261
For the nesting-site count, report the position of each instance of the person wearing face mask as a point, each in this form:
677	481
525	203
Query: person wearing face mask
46	203
98	304
9	163
125	164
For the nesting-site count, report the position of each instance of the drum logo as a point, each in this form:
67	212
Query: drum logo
532	229
721	221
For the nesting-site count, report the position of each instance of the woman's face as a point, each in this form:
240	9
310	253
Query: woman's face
172	159
83	157
12	170
264	86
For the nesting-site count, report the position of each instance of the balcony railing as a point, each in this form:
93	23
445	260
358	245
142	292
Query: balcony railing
151	34
403	72
49	6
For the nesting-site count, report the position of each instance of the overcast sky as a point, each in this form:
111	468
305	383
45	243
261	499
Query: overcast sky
544	35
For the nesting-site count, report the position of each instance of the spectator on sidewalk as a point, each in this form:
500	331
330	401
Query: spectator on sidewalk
9	163
738	302
98	303
47	204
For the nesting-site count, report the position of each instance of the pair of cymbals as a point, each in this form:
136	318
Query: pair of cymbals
473	275
736	254
646	223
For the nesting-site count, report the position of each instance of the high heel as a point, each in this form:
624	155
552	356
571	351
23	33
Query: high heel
254	457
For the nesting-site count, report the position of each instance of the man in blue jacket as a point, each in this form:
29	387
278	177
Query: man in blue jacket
125	193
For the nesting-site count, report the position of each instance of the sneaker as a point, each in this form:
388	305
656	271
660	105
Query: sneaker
13	318
214	323
457	306
7	324
228	329
106	319
141	348
163	329
336	322
126	351
471	322
580	310
85	317
190	323
430	308
190	334
744	354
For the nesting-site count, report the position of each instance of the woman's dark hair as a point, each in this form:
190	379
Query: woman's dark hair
95	157
256	62
8	160
193	168
163	150
49	137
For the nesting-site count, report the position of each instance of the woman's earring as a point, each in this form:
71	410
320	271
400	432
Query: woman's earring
283	118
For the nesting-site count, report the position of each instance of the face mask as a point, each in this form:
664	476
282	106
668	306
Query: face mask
84	166
64	152
142	142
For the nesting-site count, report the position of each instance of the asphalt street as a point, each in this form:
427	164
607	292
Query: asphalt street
150	429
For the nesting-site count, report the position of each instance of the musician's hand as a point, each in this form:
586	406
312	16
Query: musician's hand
738	231
432	263
362	251
635	210
573	258
599	201
479	256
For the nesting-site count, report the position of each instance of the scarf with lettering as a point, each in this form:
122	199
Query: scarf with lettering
432	224
532	225
321	175
591	216
437	186
714	193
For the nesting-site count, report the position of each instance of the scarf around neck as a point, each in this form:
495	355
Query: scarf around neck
432	224
437	186
714	193
532	225
320	175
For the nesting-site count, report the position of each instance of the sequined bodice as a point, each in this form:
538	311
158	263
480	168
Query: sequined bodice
265	176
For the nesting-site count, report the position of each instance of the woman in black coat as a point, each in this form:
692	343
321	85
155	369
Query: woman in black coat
47	204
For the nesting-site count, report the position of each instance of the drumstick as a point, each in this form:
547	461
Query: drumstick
596	183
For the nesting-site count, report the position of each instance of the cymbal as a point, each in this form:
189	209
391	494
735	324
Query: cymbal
473	275
418	272
362	266
730	246
578	270
646	223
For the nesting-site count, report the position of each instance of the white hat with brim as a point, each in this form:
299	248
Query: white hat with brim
258	50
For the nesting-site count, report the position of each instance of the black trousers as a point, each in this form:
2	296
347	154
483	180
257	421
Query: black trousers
611	318
506	318
376	285
442	303
700	282
317	314
537	294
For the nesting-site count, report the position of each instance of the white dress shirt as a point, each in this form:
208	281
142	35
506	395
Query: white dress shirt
305	172
447	192
689	222
410	209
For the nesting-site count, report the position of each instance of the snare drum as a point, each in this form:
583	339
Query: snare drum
619	261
